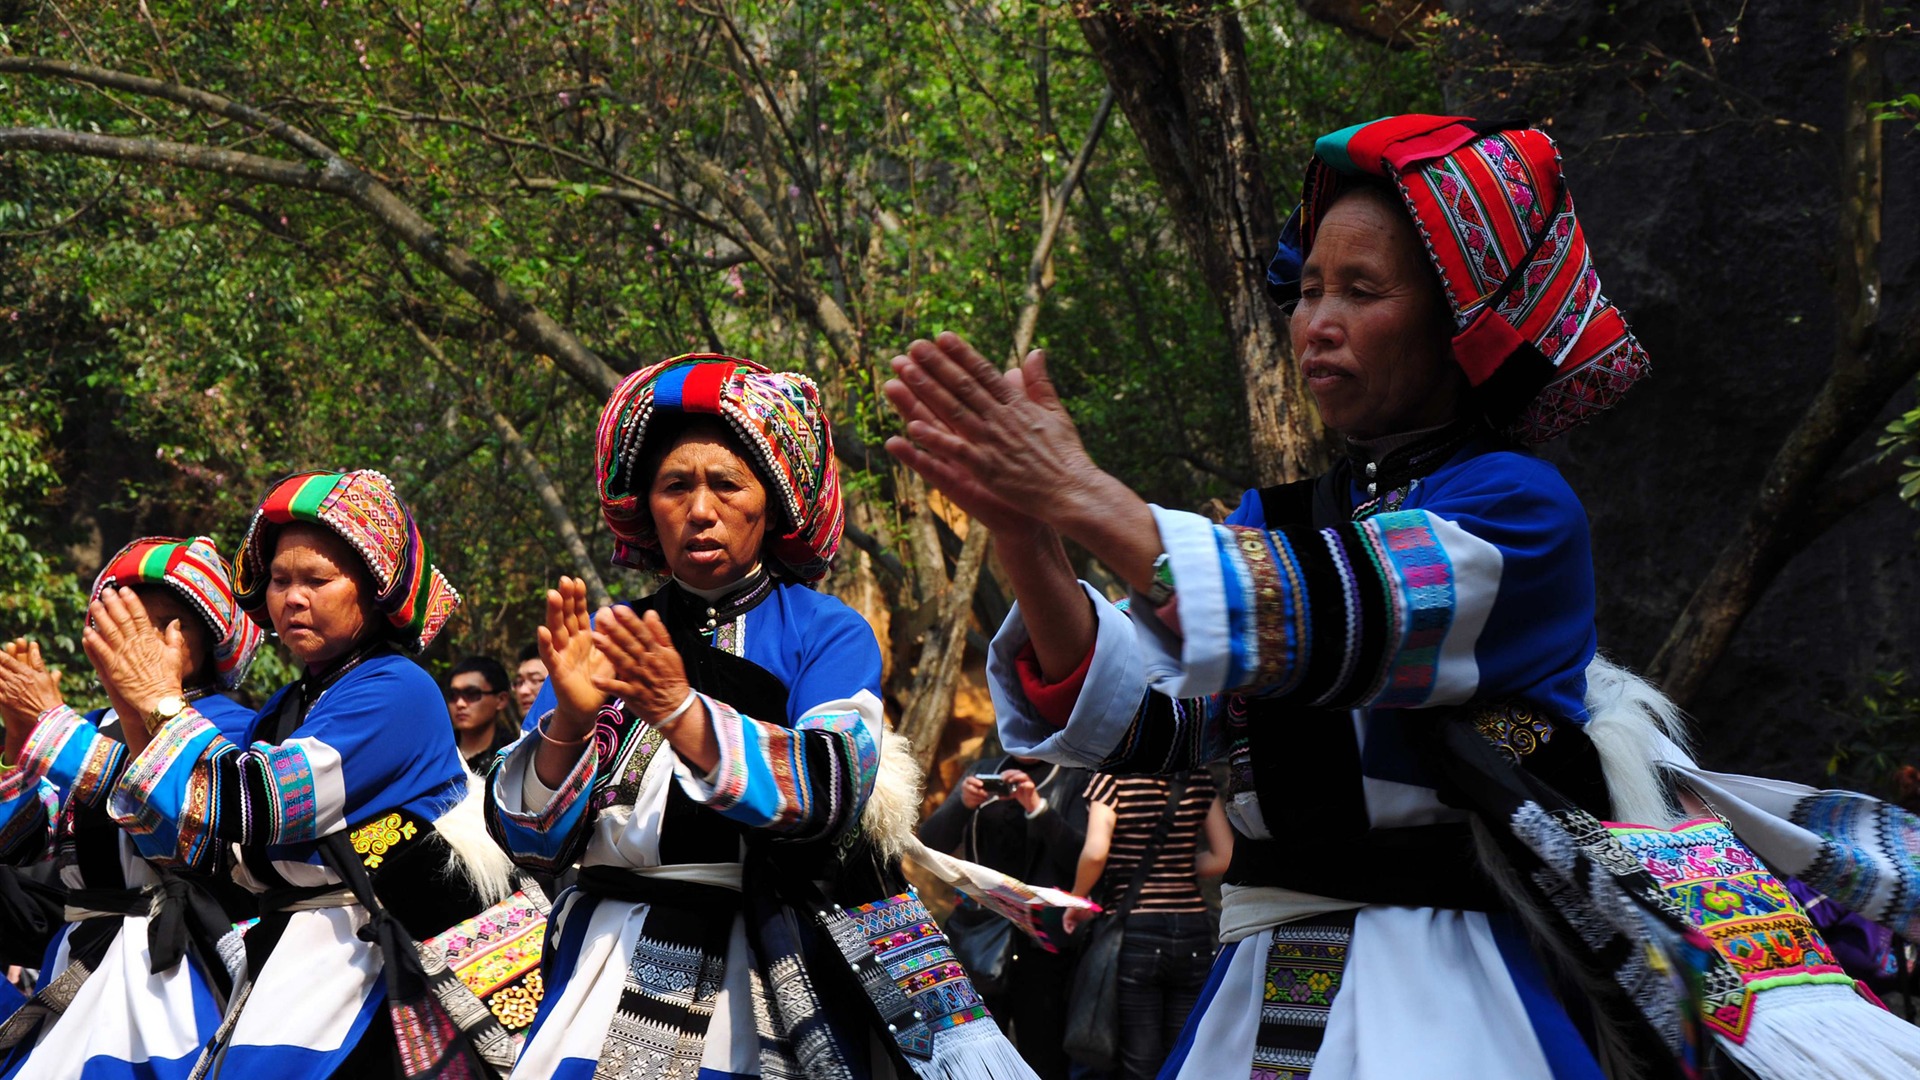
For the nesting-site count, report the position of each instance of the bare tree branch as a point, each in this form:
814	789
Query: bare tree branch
334	175
884	559
206	159
1050	230
937	676
543	486
1869	366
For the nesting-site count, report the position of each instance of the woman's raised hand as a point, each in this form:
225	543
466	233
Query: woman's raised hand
647	672
566	646
1000	446
27	689
138	663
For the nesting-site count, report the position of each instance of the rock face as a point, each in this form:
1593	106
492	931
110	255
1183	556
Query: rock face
1707	176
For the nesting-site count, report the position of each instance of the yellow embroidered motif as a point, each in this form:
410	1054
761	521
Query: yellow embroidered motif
516	1006
1515	732
373	840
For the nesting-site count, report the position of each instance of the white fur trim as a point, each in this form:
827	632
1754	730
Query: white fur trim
1631	722
464	828
893	808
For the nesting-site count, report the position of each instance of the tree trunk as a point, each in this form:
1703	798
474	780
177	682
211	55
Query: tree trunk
1183	85
1868	368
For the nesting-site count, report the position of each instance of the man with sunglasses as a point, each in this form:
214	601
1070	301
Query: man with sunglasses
477	694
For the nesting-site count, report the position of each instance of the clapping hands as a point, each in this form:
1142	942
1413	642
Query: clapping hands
617	652
27	690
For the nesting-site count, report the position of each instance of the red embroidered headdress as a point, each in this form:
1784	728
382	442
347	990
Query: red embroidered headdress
365	511
1543	349
776	415
194	570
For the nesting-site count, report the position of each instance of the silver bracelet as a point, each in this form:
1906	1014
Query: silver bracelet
541	727
668	720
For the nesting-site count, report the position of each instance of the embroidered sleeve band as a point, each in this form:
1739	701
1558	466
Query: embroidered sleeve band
192	787
548	837
26	822
806	781
1381	612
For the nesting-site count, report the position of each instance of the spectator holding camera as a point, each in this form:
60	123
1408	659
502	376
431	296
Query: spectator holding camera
1026	818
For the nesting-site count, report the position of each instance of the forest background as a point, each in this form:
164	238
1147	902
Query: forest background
427	237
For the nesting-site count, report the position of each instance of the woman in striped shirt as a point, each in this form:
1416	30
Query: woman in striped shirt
1169	935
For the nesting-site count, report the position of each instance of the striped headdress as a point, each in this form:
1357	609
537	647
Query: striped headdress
1542	347
364	510
777	416
193	570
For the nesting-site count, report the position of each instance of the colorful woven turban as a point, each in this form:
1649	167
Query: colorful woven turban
776	415
365	511
194	570
1543	349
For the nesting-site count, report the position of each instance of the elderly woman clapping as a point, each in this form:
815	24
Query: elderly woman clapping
714	757
134	981
338	798
1445	316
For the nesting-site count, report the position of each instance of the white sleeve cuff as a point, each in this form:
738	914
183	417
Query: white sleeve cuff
1115	686
1194	662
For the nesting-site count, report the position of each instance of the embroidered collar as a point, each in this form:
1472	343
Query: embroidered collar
1395	462
315	683
712	608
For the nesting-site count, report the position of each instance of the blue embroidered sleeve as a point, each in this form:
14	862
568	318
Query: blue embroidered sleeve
374	742
1485	586
66	758
28	808
551	837
810	776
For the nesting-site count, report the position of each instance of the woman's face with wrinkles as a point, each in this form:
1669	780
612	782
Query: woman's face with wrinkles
1370	332
709	509
319	597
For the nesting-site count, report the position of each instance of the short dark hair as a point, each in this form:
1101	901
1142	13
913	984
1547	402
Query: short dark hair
531	652
488	668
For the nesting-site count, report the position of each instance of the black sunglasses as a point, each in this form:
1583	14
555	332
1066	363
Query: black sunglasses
469	694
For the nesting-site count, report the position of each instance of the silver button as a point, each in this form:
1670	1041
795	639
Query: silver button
890	1027
917	1016
1371	488
1372	468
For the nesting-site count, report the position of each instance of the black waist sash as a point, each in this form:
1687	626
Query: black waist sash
631	888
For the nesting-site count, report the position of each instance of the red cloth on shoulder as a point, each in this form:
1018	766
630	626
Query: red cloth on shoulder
1053	701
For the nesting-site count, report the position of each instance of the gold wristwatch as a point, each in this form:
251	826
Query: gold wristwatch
164	710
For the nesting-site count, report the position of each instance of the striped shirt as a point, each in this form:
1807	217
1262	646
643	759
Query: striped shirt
1138	803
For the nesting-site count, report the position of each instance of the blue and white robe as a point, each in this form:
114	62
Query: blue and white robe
376	740
126	1021
807	774
1476	584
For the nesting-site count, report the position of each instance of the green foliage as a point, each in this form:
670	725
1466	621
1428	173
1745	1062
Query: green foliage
178	340
1903	437
1904	109
1885	738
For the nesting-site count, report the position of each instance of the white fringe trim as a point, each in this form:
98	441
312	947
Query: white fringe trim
1825	1032
974	1051
1628	719
475	854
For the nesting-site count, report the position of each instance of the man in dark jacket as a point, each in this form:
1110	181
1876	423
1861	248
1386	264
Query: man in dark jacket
1026	818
